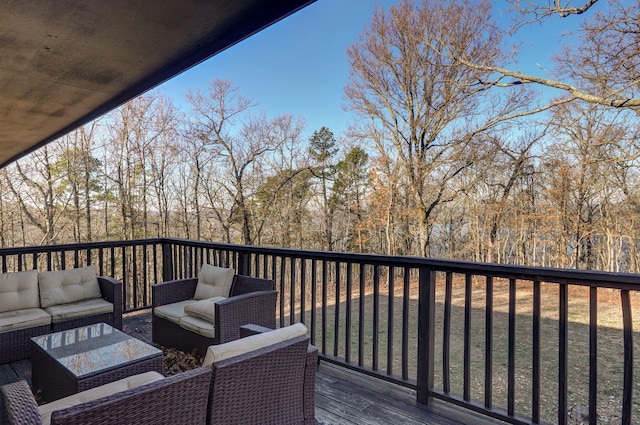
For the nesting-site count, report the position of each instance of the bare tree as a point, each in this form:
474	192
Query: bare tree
77	172
232	170
34	186
599	67
432	109
581	159
133	136
161	159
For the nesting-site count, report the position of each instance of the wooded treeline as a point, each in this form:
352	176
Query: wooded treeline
450	155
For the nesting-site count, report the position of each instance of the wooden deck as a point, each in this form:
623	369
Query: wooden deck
342	396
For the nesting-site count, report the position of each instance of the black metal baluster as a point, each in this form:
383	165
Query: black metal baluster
511	373
466	386
376	316
336	316
446	335
347	336
390	314
488	344
593	355
627	387
405	322
563	353
535	367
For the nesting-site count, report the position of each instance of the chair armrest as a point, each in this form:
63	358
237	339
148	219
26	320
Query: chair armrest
252	329
111	290
258	308
309	386
173	291
245	284
19	405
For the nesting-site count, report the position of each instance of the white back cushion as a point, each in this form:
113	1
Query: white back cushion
216	353
68	286
19	290
214	281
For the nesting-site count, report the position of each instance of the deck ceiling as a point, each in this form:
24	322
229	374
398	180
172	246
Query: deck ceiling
65	62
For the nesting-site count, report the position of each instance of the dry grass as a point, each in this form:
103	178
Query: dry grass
610	342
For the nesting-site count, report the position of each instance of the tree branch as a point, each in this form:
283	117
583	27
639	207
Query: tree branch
615	102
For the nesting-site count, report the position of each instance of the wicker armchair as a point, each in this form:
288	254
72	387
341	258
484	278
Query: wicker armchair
251	300
272	385
178	399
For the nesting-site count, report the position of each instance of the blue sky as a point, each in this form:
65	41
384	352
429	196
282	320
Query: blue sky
298	66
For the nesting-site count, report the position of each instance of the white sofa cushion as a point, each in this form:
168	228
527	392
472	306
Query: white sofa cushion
199	326
214	281
68	286
94	306
23	318
19	290
204	309
216	353
95	393
173	312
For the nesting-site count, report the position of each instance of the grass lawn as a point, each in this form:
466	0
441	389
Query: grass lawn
610	340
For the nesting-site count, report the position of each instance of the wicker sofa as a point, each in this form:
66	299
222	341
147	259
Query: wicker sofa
221	311
35	303
146	399
265	378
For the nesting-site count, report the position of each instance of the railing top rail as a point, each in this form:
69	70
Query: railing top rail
629	281
36	249
565	276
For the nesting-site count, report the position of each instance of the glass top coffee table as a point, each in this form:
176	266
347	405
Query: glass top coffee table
70	361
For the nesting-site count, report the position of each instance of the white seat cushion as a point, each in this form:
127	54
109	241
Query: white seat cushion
216	353
199	326
204	309
68	286
23	318
95	393
214	281
173	312
62	312
19	290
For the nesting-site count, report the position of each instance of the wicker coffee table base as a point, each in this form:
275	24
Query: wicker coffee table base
52	381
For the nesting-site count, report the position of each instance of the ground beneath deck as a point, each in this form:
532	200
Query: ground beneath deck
342	396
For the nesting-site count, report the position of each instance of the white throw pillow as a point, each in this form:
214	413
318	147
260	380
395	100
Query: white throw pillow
214	281
203	309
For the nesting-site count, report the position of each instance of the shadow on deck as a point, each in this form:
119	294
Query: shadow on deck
342	396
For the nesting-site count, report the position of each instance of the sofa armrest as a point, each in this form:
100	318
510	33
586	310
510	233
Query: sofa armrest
19	405
258	308
173	291
111	290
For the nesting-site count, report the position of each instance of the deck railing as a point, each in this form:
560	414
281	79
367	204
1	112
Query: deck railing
521	344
